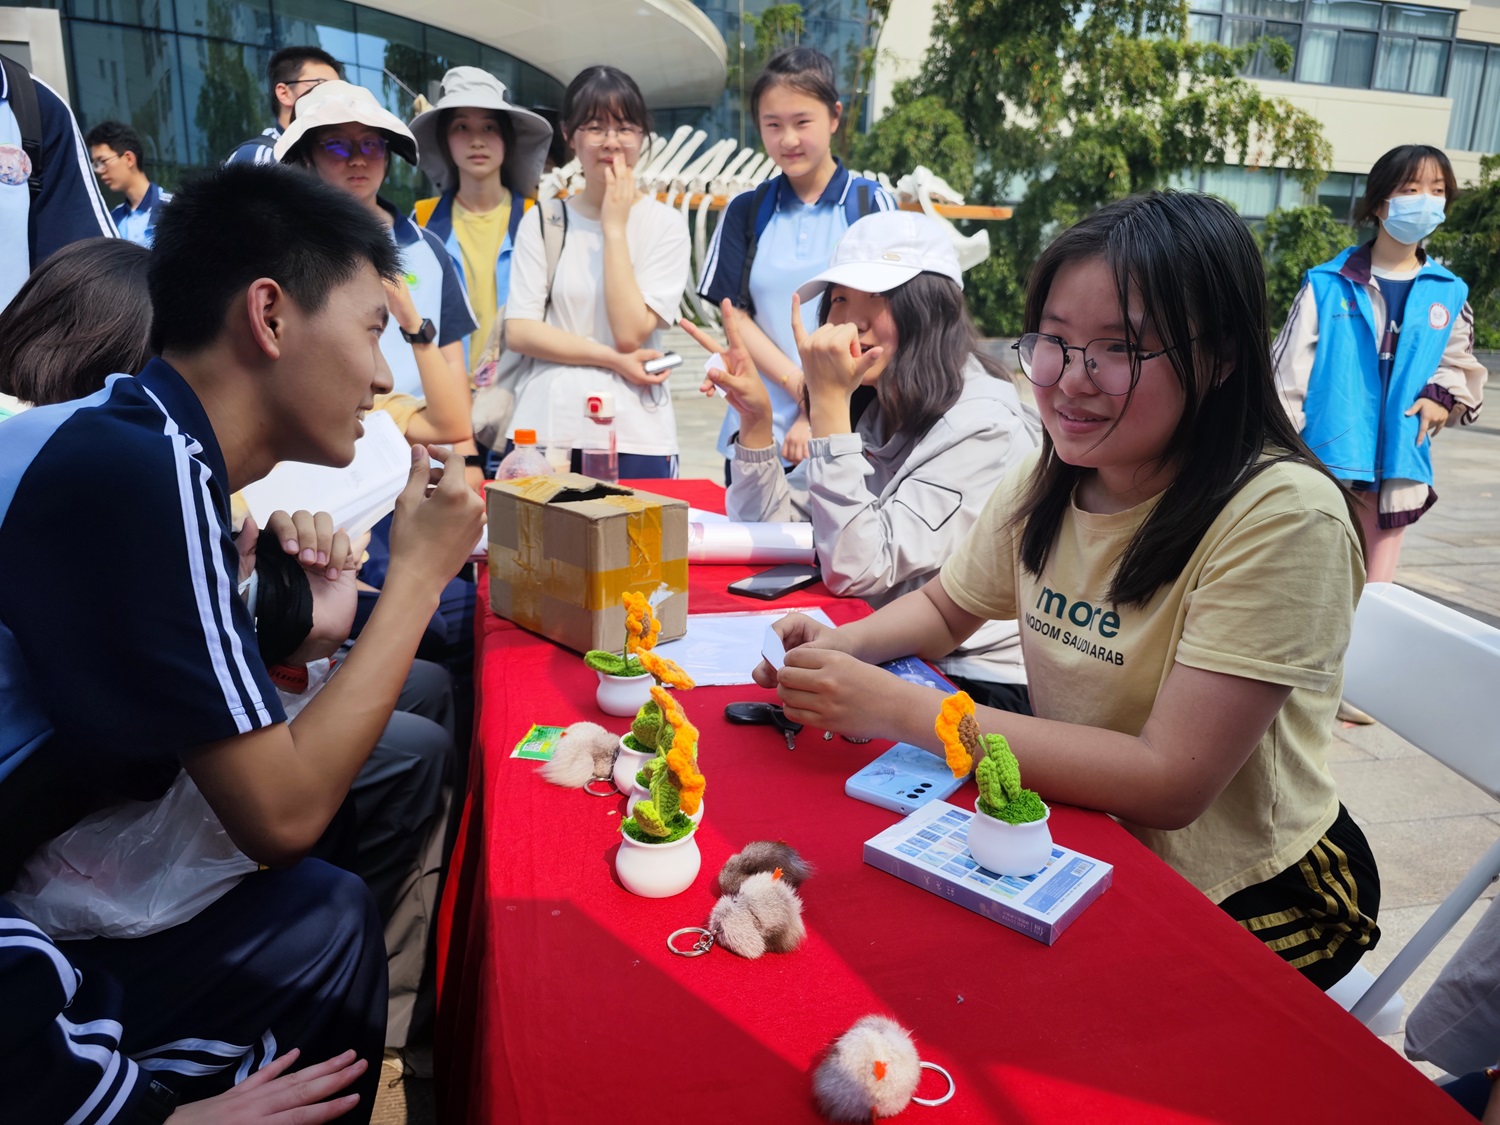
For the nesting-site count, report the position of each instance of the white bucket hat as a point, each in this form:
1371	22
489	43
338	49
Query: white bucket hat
885	250
339	103
469	87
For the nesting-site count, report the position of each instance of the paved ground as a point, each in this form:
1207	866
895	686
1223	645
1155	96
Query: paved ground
1426	825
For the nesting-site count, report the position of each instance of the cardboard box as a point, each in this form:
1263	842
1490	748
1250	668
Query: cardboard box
564	548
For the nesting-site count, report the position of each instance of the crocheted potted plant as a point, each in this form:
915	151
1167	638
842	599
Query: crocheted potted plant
623	683
640	745
658	854
1009	833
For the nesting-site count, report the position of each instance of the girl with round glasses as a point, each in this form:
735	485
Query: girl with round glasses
1377	353
619	281
1184	572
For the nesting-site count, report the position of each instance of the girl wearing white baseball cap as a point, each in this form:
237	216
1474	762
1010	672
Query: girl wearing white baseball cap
912	428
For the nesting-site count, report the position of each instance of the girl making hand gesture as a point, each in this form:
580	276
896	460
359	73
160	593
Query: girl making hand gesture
911	428
1185	573
619	280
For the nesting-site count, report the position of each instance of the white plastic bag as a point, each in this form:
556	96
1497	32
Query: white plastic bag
131	870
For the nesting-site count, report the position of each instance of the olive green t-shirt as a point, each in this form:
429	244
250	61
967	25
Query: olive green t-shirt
1269	594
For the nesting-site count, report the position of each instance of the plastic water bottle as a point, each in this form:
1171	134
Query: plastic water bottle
597	441
525	460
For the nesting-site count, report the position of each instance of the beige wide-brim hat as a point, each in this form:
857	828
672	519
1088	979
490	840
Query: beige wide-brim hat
340	103
469	87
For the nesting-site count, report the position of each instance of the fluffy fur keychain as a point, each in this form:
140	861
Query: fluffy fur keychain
763	916
763	855
585	751
871	1071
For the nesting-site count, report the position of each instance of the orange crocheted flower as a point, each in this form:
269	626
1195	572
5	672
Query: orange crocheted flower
682	758
666	671
641	626
959	731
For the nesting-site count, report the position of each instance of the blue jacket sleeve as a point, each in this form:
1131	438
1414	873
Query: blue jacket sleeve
60	1035
458	315
69	207
726	253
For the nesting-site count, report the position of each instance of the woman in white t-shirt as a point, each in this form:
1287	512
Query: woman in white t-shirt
1184	572
619	281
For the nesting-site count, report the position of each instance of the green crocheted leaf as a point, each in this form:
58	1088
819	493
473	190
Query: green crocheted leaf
649	820
647	725
997	750
666	795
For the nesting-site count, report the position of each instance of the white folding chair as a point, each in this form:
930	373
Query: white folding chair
1426	672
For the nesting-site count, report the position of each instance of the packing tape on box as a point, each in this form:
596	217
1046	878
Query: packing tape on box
532	577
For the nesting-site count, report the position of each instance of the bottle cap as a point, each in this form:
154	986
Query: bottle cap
599	406
525	437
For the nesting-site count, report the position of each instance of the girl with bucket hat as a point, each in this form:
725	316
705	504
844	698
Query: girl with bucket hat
912	428
345	137
485	157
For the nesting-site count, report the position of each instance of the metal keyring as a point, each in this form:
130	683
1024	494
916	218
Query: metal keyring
704	943
952	1086
588	787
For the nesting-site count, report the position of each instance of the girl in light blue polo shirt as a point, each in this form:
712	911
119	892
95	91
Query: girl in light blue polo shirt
771	240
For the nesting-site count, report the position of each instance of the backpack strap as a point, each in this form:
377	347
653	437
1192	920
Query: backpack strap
21	93
554	234
758	223
859	202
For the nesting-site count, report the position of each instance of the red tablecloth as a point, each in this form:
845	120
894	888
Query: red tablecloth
560	1003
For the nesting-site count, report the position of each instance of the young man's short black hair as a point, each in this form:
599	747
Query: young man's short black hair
246	221
288	62
118	136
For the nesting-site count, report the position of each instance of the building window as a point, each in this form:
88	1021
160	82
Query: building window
1360	43
1256	192
1474	86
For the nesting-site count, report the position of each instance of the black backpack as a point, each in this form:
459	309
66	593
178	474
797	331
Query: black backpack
22	95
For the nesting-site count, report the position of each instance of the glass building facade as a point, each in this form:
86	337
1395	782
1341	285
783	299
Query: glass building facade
190	75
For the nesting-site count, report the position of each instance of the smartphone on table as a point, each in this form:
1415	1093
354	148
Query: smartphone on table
776	582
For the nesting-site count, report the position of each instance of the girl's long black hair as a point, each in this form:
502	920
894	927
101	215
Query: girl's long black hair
1193	267
935	339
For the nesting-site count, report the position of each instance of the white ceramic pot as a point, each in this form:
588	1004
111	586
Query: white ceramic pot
658	870
628	763
1010	849
623	695
639	792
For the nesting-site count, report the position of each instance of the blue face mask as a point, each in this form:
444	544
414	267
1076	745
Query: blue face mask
1411	218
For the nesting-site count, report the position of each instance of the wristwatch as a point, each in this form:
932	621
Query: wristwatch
426	334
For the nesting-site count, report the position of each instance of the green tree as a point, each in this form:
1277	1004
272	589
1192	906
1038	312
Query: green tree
1071	104
1294	240
919	131
1468	242
232	101
865	55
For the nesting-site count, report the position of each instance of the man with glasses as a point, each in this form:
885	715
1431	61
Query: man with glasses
293	72
47	196
117	155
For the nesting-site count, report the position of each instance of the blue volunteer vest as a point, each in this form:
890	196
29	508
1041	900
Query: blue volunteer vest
1358	428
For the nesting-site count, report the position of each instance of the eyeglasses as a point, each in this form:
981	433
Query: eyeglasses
311	83
595	134
1113	366
100	165
342	148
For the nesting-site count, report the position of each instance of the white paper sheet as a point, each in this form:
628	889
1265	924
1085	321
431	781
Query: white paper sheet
357	496
750	543
724	648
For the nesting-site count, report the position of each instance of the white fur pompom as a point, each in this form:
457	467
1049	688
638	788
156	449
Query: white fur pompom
764	915
585	751
874	1065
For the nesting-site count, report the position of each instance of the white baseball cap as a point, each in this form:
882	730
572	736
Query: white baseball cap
885	250
343	103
